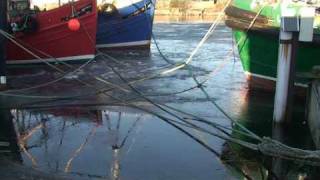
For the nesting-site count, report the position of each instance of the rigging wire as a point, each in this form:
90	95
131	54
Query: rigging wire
159	106
174	69
200	84
149	100
267	146
153	76
168	70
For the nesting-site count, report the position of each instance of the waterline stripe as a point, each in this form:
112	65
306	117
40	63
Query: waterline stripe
126	44
69	58
272	78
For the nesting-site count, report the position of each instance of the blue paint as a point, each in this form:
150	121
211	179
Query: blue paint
127	25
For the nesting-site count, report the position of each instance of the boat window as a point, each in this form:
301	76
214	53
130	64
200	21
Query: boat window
18	7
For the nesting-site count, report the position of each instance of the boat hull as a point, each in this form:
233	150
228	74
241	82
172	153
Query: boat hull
258	50
54	41
130	28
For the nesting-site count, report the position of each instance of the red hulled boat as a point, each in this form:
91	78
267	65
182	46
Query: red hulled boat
50	34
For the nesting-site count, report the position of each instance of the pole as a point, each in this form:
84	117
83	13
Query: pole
285	73
288	44
3	26
280	167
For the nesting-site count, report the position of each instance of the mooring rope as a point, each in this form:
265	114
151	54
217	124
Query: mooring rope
178	66
45	84
201	42
275	148
9	92
29	48
48	83
200	84
205	145
11	38
139	93
266	145
2	32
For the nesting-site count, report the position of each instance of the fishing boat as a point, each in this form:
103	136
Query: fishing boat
65	33
125	23
255	25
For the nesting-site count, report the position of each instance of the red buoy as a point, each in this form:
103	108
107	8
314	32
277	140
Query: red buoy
74	24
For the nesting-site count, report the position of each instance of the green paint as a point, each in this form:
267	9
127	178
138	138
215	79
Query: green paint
259	54
272	11
259	51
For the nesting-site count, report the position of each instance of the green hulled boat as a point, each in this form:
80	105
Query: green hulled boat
255	25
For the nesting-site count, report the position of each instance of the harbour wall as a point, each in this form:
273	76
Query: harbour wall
188	10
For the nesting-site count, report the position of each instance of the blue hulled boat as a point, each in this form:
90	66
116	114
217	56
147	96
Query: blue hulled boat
126	24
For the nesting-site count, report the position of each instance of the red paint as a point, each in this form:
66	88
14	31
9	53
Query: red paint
53	37
74	24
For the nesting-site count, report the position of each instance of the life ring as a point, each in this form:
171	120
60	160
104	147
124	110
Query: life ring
109	9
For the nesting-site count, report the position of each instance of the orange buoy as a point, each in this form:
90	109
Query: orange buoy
74	24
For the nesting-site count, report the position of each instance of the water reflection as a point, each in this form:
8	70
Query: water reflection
256	114
113	142
95	143
117	143
58	139
68	140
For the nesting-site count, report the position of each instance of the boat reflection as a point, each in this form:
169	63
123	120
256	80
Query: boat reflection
95	143
61	140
